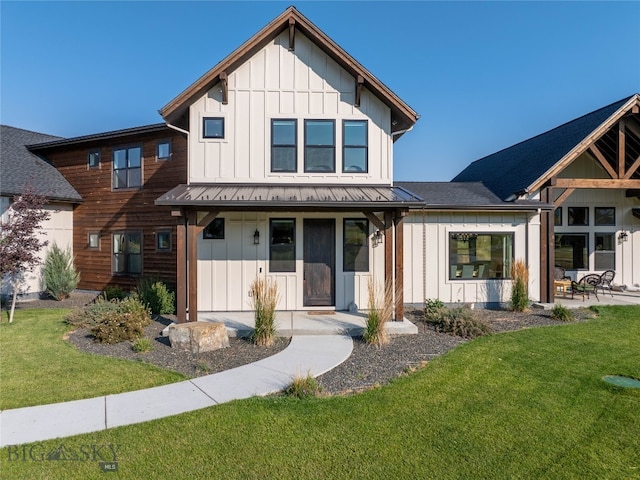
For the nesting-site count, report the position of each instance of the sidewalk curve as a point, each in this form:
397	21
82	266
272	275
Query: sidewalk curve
308	354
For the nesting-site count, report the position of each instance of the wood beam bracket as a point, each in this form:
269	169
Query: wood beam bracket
373	218
207	219
292	34
595	151
562	197
225	88
359	84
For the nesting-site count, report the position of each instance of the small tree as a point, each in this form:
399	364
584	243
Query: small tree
59	273
19	240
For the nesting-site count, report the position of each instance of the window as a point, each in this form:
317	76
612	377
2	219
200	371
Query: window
557	217
93	158
571	250
93	240
213	127
605	216
578	216
283	146
319	146
127	253
163	240
282	245
605	254
127	168
356	245
163	150
354	149
480	255
215	230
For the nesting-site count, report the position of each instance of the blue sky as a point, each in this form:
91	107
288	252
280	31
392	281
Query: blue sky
482	75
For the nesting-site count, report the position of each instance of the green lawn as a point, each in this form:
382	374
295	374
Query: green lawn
38	366
528	404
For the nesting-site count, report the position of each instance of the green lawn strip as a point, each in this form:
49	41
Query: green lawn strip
38	366
528	404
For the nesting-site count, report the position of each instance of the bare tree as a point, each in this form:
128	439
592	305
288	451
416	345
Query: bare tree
19	239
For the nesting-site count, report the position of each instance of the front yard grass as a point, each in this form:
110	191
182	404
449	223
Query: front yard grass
529	404
37	366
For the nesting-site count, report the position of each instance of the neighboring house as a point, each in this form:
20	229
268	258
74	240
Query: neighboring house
119	235
589	170
19	170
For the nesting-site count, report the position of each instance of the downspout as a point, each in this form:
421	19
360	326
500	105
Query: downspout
177	129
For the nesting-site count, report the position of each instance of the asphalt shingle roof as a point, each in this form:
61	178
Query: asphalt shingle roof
19	167
515	168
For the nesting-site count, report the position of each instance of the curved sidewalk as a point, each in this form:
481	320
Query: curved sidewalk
309	354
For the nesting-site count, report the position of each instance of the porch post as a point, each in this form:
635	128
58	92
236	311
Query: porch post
192	252
399	271
547	254
388	248
181	270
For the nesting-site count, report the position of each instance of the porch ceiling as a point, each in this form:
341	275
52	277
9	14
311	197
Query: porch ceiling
291	197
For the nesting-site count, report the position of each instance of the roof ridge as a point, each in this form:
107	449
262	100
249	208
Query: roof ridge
3	125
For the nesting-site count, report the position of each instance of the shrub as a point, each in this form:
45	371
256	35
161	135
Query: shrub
126	322
59	273
432	307
562	313
520	289
142	345
303	387
458	321
156	296
380	310
264	299
114	292
92	314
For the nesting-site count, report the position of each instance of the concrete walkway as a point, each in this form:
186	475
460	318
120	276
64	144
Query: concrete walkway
309	354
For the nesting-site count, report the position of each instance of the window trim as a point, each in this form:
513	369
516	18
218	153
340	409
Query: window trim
346	146
213	137
507	233
295	144
293	245
162	142
209	236
113	167
365	244
127	234
160	231
89	235
99	154
332	146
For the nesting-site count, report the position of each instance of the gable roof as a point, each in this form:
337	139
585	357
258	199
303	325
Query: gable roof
464	196
19	167
402	116
518	168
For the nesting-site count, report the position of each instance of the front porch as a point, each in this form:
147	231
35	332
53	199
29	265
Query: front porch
618	298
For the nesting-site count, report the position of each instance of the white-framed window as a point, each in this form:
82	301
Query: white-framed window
479	256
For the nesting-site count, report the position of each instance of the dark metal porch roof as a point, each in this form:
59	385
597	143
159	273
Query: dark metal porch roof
270	196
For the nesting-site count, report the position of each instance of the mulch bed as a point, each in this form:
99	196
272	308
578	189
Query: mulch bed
367	367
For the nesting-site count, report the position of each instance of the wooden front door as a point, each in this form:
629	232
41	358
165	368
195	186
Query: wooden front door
319	262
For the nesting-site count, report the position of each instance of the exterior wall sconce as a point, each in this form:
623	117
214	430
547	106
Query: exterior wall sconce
623	236
377	238
256	237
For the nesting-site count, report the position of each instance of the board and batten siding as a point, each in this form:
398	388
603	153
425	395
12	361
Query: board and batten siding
227	267
278	83
426	255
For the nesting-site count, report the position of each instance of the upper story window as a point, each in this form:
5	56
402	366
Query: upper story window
93	159
319	146
284	151
127	167
578	216
213	127
605	216
163	150
354	146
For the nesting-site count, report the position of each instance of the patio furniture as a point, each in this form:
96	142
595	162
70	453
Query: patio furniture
560	274
605	280
586	285
563	286
467	271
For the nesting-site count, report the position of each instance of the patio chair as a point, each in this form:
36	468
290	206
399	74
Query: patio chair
605	280
467	271
586	285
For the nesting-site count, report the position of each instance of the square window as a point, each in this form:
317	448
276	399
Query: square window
578	216
557	217
283	146
356	245
213	127
605	216
163	150
354	150
93	159
282	245
163	240
215	230
319	146
94	240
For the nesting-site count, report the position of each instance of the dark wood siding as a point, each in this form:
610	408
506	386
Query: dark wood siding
109	211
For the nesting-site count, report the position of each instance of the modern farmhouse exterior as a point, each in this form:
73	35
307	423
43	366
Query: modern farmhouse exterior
278	162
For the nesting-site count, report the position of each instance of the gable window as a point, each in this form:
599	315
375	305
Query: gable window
93	159
480	255
605	254
571	250
605	216
215	230
578	216
282	245
354	146
319	146
127	253
213	127
356	247
284	152
127	168
163	150
163	240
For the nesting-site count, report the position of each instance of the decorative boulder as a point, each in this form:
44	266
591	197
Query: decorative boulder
198	337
